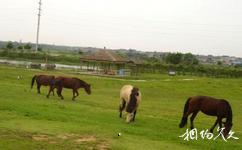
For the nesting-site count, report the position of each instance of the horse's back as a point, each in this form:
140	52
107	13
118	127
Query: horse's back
44	79
207	105
125	92
68	82
42	76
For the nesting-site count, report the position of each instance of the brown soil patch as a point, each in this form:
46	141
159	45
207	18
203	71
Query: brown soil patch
76	138
86	139
40	137
103	146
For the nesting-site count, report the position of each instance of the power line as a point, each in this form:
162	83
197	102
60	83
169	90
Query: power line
37	36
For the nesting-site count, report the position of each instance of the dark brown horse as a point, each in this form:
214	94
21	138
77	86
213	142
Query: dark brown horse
69	83
45	80
209	106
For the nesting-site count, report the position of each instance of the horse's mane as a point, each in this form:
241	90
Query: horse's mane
81	81
133	100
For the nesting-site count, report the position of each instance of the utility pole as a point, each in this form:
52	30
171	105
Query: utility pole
37	37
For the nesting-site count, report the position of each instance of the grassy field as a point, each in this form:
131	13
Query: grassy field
31	121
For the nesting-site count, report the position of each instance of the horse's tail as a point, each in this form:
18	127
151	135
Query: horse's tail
184	118
33	79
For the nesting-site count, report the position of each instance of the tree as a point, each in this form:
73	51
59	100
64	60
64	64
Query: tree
9	45
80	52
40	49
195	61
27	46
220	63
190	59
20	47
174	58
179	58
152	60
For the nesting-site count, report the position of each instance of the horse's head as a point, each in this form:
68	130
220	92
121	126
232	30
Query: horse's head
129	117
88	88
227	128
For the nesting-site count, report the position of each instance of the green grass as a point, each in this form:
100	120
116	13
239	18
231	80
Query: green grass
31	121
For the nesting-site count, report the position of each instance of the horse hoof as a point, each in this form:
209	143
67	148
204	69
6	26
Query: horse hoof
211	131
47	96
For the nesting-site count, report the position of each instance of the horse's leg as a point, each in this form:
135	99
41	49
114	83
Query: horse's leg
192	118
121	108
77	94
59	92
134	115
53	91
216	122
220	122
38	88
73	93
50	89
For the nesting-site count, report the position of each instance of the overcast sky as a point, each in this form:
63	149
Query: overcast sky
197	26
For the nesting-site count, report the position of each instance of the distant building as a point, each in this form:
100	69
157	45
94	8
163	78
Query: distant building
236	62
106	62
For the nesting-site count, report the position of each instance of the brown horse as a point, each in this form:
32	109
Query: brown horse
209	106
45	80
69	83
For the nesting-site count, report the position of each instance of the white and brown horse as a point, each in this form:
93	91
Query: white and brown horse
130	98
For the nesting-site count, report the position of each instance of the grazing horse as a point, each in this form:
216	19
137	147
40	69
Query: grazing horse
209	106
45	80
69	83
130	98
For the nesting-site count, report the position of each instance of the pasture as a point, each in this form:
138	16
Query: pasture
31	121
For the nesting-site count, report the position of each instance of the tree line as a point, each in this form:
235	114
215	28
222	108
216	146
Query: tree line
186	64
197	70
11	46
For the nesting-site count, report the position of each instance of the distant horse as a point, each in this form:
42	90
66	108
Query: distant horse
130	98
209	106
45	80
69	83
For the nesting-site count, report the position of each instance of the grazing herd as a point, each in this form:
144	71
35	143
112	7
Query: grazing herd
130	98
59	83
